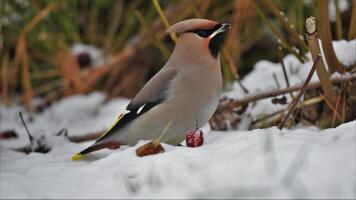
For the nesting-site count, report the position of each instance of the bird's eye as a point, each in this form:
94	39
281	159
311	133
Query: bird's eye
203	33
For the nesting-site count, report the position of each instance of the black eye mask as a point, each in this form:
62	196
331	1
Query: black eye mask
204	33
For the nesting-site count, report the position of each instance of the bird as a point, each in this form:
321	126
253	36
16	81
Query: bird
184	91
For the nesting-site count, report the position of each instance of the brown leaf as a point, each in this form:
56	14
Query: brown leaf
150	148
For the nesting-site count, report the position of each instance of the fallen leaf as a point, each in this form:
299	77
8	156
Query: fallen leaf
150	148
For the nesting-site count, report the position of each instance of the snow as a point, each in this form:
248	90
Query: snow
301	163
77	112
263	163
345	51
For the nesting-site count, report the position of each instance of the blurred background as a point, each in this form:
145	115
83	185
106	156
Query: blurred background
52	49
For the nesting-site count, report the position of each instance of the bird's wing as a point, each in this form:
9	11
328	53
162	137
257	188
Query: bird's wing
155	89
152	94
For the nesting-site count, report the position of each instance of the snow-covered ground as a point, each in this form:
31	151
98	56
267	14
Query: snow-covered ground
257	164
265	163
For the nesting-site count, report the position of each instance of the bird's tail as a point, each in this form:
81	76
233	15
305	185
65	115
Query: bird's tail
102	142
96	146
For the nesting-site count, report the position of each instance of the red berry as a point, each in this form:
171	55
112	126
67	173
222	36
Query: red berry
194	138
199	138
8	134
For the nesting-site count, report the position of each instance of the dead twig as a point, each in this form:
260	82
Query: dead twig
280	56
276	80
244	89
301	105
27	131
276	92
301	92
333	109
342	87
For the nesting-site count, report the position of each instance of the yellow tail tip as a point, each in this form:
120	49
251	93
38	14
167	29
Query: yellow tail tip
77	156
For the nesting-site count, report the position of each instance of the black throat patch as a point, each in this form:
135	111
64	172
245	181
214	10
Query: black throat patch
215	44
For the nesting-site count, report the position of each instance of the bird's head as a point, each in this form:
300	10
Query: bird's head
200	35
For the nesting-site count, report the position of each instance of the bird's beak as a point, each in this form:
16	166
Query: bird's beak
224	27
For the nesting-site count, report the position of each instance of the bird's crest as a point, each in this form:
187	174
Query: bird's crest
191	24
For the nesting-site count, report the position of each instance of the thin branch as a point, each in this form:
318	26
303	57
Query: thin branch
280	55
342	87
244	89
307	102
333	109
28	132
301	92
276	80
276	92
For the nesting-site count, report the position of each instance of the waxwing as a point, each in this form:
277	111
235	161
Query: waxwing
186	90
